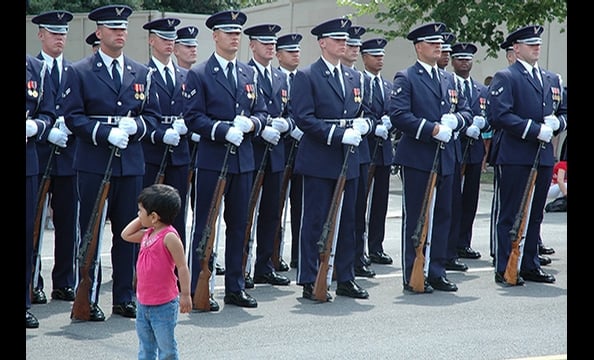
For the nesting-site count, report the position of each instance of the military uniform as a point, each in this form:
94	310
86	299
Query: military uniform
39	116
324	106
526	110
101	117
426	109
62	188
215	109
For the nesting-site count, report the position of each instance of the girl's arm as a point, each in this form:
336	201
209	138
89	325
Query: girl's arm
133	232
561	181
176	249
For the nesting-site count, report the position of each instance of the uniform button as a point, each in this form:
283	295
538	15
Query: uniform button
119	103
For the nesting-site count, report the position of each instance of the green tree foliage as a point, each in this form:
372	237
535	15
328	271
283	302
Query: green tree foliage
480	22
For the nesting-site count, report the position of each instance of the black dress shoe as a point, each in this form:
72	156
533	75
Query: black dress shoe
220	269
31	321
365	260
500	279
543	250
308	292
293	264
214	305
544	260
537	275
65	293
127	309
96	313
38	297
249	282
351	289
468	253
455	265
364	271
271	278
282	266
442	283
240	298
380	257
427	289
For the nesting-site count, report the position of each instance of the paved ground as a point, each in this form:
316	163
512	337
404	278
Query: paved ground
480	321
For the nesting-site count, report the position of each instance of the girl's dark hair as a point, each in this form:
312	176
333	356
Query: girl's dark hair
162	199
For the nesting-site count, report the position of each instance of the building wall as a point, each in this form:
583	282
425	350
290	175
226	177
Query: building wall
295	16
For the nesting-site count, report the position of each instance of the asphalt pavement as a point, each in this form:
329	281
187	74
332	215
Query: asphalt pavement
481	321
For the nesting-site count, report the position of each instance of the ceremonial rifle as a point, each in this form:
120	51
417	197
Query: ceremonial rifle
160	178
419	237
518	230
205	247
284	192
330	233
81	308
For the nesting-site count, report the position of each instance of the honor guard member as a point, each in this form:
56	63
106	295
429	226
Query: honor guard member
377	92
224	107
166	148
52	34
186	54
269	147
39	117
446	49
526	109
110	105
473	147
93	41
348	61
425	106
326	101
288	54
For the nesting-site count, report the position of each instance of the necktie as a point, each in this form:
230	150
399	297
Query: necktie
230	77
117	79
535	76
169	80
55	74
467	91
337	80
377	91
267	85
435	78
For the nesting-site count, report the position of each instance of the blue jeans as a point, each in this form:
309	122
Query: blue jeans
155	326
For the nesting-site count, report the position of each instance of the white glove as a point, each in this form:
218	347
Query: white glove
280	124
552	121
449	120
297	134
386	122
171	137
351	137
473	132
234	136
546	133
195	137
118	137
179	125
243	123
31	127
62	125
361	125
271	135
444	134
381	131
479	121
58	137
128	124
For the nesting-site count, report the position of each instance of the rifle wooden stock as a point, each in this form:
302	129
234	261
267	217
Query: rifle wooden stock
417	276
254	195
81	308
326	241
160	178
518	229
280	230
206	246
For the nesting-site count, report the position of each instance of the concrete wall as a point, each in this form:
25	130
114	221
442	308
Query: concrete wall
295	16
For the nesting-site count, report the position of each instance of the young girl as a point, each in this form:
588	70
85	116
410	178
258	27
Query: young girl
161	252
